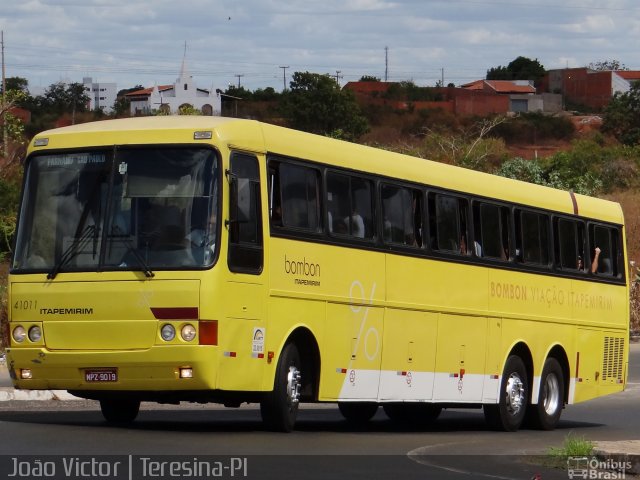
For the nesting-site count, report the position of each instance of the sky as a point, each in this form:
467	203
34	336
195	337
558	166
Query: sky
143	42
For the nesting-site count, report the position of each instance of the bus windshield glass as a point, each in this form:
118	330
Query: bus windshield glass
140	209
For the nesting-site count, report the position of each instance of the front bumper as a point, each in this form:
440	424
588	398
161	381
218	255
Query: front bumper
153	369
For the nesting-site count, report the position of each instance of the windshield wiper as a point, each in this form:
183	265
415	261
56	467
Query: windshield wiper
90	232
133	250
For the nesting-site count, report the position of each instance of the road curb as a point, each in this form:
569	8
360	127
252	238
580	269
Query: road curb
9	394
625	453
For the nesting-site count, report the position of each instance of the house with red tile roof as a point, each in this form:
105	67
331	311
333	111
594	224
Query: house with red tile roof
521	93
502	86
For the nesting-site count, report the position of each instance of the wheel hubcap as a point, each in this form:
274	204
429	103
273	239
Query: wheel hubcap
293	385
515	394
551	394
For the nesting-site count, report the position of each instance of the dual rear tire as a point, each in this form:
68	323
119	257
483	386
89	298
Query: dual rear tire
513	407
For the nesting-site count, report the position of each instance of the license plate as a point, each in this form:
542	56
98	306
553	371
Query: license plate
101	375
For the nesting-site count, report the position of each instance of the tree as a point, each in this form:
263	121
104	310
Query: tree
369	78
62	98
606	65
522	68
16	83
13	126
622	116
315	103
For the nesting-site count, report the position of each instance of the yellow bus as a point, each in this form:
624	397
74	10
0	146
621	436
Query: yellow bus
208	259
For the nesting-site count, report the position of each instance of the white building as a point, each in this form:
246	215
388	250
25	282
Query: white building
170	98
101	95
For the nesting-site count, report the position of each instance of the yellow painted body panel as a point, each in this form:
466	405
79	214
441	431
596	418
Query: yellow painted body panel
388	327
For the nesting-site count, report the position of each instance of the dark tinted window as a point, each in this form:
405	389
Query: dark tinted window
492	225
533	237
402	215
349	206
570	244
604	239
448	223
294	198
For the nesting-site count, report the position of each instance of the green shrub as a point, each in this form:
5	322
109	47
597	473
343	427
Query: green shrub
534	128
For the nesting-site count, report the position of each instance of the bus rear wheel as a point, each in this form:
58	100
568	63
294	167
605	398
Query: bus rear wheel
279	408
119	411
546	413
509	412
358	412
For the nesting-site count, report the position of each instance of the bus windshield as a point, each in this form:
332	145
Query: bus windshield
133	209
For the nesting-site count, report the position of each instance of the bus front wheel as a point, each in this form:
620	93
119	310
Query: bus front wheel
545	414
280	407
509	412
119	411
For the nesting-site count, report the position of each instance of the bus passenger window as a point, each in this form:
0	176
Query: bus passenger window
570	244
294	198
533	237
448	219
604	263
491	228
402	215
349	210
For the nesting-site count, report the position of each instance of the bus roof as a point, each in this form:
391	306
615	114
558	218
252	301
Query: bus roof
262	137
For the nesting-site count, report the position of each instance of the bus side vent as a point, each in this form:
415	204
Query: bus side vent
612	360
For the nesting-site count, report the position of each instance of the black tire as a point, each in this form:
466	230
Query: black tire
358	412
509	413
279	408
419	414
545	414
119	411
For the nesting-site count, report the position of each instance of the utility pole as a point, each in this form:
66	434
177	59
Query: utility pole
442	78
5	143
386	63
239	75
338	76
284	77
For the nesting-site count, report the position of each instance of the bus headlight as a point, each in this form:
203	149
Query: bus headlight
35	333
188	332
167	332
19	334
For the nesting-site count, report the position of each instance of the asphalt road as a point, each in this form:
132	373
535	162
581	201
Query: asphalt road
458	445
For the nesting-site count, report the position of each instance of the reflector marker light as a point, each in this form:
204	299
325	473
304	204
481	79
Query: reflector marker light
257	355
230	354
494	377
208	332
25	374
453	375
41	142
404	374
341	370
